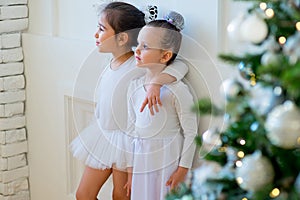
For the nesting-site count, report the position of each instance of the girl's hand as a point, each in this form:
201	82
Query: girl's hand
177	177
152	98
127	187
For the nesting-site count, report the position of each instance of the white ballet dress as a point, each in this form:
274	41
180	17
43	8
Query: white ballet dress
162	142
103	143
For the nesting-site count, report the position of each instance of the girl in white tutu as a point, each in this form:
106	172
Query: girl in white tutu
102	146
164	145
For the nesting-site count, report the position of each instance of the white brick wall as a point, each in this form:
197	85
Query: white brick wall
13	12
13	141
13	109
14	82
12	96
12	2
14	68
14	187
7	26
11	55
10	40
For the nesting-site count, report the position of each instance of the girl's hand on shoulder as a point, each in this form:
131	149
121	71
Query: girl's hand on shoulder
152	98
177	177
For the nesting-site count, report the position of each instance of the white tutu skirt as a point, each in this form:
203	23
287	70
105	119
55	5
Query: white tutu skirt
155	160
101	149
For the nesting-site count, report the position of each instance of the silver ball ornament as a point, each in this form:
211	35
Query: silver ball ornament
265	98
187	197
255	172
297	183
283	127
230	89
246	70
292	48
270	58
233	28
254	29
211	139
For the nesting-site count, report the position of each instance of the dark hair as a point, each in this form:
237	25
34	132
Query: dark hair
171	38
124	17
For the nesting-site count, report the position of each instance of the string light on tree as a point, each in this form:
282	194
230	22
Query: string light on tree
282	40
242	142
298	26
269	13
275	193
241	154
263	6
239	163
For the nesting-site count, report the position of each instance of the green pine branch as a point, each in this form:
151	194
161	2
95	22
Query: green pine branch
205	106
247	58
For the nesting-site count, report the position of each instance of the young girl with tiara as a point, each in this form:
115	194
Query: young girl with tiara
163	147
102	145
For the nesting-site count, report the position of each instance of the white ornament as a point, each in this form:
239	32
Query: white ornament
254	29
271	44
233	28
255	173
230	89
283	127
270	58
297	183
187	197
291	48
211	139
207	170
264	98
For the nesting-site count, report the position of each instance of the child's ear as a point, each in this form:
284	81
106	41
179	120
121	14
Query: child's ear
122	39
167	55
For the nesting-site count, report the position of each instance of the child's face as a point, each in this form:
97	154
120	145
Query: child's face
105	35
149	51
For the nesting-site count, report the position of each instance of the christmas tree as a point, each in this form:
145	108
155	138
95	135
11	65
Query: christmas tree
256	155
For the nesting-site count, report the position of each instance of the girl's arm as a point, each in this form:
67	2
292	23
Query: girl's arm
130	129
131	110
189	125
174	72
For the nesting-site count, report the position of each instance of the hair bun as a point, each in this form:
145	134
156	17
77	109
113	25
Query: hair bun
176	19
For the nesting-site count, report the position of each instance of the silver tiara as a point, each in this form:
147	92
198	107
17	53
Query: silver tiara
176	19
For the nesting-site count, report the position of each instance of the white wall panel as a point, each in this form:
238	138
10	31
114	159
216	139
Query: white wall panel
51	66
